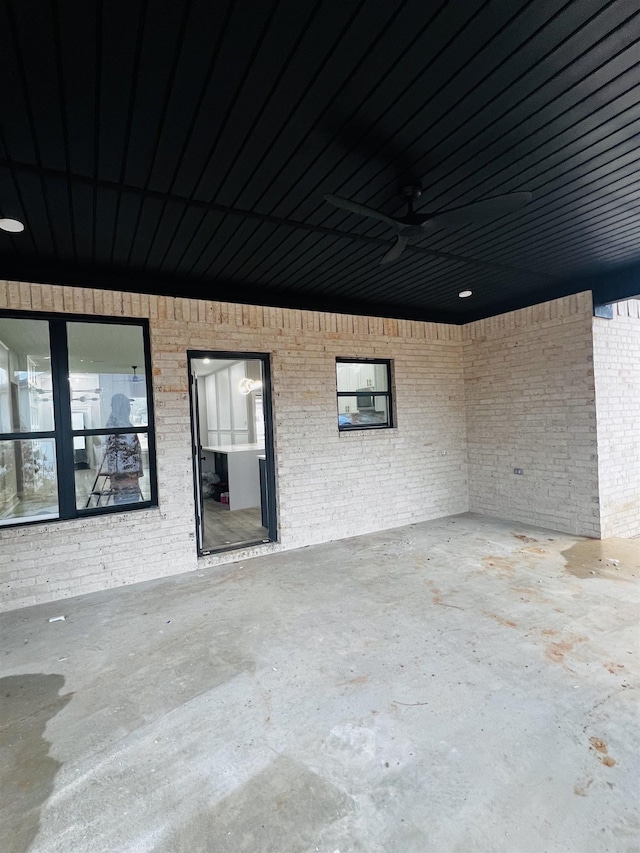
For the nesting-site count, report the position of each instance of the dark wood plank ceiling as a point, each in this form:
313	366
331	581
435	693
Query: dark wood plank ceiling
186	148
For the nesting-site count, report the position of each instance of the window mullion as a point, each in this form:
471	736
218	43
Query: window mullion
62	418
111	430
363	391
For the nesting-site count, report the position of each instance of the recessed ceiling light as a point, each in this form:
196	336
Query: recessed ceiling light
13	225
464	293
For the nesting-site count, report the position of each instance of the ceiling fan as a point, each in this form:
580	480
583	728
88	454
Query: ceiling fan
415	225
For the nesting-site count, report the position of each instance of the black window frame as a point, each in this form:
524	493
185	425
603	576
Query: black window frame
63	432
388	394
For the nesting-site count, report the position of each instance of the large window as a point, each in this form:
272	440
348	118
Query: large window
76	425
364	393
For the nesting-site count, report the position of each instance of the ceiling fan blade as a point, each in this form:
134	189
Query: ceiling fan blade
360	209
488	208
396	250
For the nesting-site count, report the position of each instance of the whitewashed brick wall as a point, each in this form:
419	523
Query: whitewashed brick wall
530	404
616	348
472	403
330	485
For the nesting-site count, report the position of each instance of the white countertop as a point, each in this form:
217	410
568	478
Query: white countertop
235	448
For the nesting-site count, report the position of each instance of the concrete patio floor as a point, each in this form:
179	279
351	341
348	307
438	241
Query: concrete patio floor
460	685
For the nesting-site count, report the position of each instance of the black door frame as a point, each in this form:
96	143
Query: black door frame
267	405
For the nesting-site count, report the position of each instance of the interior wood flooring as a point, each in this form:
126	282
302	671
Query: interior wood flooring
223	527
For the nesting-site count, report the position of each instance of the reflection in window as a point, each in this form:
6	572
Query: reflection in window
108	390
26	399
231	410
28	480
121	455
106	360
120	473
47	470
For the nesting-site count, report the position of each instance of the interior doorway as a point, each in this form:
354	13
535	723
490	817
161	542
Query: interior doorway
232	432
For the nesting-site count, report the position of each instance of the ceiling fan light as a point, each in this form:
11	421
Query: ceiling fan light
465	293
247	385
12	225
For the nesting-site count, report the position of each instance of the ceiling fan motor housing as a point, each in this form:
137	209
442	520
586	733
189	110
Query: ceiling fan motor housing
412	191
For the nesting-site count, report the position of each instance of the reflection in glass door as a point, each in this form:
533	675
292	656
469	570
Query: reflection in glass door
233	450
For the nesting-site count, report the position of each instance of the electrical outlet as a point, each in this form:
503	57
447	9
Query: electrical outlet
518	471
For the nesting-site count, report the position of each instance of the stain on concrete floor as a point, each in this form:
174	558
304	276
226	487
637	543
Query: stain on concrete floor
283	809
27	771
602	749
361	696
499	564
616	559
196	664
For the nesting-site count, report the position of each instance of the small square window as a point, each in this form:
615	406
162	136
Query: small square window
364	393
